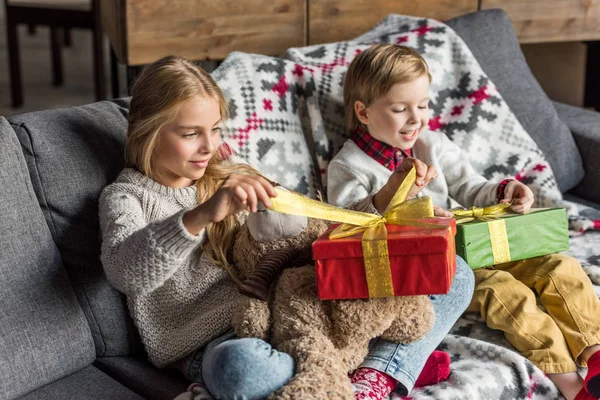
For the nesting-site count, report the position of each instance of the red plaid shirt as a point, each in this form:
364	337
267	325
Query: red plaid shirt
386	155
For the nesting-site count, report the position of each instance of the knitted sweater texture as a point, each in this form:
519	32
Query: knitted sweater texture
178	299
353	177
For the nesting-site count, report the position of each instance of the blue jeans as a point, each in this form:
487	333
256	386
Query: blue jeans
404	362
241	369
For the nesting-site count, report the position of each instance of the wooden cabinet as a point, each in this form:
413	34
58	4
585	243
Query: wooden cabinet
335	20
551	20
142	31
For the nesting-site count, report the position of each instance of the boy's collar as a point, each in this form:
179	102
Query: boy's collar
386	155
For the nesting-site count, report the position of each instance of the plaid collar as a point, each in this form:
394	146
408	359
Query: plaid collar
386	155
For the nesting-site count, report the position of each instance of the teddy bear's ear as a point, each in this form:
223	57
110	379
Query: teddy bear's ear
268	269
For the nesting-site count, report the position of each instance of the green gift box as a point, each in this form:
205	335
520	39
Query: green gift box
512	237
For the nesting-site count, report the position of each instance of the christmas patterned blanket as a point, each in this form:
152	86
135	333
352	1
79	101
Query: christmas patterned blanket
287	119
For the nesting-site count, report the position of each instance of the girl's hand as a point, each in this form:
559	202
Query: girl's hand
238	193
425	173
440	212
520	196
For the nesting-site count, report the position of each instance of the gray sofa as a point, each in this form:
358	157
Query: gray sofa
65	332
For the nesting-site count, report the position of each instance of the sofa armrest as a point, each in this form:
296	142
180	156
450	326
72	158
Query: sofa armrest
585	127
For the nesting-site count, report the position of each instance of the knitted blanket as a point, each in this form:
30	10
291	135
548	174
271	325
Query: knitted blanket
288	111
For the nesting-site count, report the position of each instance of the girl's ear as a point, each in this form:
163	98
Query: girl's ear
361	112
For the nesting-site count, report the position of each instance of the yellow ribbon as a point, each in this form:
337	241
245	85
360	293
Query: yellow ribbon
496	226
374	239
482	214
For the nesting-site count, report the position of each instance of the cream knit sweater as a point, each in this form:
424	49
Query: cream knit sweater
178	299
353	177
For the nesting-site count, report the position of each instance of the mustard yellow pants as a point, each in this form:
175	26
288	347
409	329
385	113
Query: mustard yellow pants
552	340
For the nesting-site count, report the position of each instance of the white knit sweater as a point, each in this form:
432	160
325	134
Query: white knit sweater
353	177
178	299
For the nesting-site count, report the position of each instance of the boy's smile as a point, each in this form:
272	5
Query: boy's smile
398	117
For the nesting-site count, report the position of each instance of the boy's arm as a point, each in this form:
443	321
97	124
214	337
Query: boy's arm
347	189
465	185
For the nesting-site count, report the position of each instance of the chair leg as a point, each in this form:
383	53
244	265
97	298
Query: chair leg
57	72
114	73
132	73
67	38
14	61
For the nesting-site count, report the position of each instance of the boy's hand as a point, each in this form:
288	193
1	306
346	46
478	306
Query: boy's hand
440	212
520	196
425	173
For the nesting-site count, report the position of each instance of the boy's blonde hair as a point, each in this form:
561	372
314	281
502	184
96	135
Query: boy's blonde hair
374	71
157	95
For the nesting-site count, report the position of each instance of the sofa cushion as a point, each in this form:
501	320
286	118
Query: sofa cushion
90	384
72	154
585	127
143	378
43	332
492	40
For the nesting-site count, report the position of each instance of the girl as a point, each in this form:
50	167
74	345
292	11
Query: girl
167	224
386	96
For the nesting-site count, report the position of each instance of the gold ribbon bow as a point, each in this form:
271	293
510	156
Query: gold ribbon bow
374	239
482	214
496	226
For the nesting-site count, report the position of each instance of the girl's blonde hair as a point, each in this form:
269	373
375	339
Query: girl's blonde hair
374	71
157	95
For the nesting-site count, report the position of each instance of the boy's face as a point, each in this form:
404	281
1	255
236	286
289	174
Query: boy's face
398	117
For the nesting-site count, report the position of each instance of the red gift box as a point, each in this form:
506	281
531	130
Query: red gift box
422	261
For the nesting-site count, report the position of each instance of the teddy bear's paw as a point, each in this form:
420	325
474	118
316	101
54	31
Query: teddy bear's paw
413	323
317	384
252	318
353	355
360	320
320	374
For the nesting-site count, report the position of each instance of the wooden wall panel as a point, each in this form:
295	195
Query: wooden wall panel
334	20
208	29
551	20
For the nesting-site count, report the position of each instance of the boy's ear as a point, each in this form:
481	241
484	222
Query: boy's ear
361	112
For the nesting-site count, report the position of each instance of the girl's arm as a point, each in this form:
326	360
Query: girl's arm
139	257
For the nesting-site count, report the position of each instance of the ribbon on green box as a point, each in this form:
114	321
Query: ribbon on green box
496	226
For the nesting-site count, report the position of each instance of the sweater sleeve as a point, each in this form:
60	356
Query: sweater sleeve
344	187
465	185
139	257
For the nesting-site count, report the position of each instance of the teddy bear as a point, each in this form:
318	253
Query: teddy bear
328	339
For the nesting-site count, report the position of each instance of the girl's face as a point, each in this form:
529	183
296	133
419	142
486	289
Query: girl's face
398	117
187	143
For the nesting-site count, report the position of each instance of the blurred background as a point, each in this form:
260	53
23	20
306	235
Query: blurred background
563	68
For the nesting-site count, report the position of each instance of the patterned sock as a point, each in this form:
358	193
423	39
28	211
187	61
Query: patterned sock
584	395
436	369
592	379
370	384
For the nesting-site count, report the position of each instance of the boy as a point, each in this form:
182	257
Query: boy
386	96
